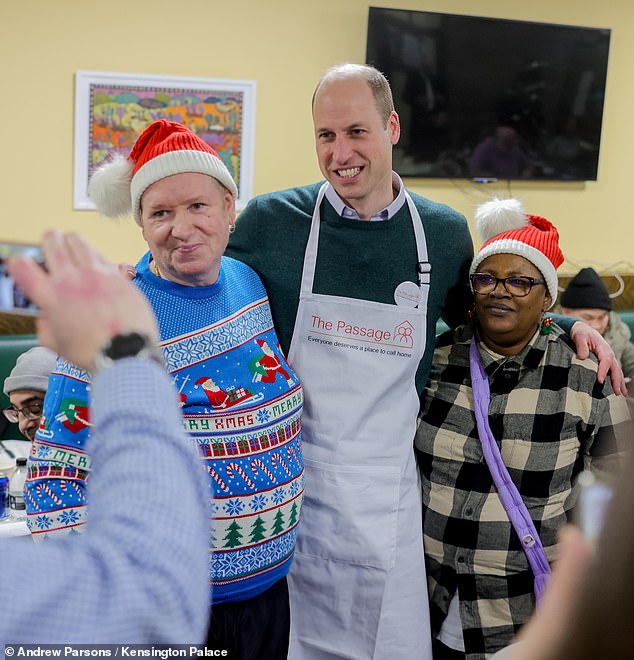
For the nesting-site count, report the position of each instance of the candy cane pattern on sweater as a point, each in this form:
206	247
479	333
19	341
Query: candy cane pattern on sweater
28	495
218	479
232	468
43	487
276	459
257	463
77	489
291	453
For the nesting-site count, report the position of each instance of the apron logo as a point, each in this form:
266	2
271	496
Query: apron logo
404	334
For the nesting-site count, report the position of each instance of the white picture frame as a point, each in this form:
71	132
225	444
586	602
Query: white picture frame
111	109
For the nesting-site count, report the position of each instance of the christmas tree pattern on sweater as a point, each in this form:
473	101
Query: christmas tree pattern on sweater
241	406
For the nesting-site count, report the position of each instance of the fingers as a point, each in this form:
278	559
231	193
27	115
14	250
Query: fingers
127	270
80	252
55	253
31	279
617	378
602	371
579	334
65	253
83	300
587	339
609	364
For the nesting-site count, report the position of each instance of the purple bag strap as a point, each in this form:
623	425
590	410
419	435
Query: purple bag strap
510	496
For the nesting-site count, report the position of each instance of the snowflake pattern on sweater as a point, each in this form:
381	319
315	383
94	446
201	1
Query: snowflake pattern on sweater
241	406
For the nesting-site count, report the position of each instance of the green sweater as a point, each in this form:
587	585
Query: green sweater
356	259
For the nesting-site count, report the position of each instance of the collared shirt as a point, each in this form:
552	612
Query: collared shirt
346	211
551	419
138	573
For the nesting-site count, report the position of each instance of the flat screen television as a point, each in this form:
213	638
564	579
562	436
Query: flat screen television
487	98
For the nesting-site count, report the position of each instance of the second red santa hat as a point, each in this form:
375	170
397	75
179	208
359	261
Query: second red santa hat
506	229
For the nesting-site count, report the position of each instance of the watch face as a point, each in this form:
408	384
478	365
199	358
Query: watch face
126	345
131	344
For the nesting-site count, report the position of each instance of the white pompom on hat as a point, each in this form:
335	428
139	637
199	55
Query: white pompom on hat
164	148
504	228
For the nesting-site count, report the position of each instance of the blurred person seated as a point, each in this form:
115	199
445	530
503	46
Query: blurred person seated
508	419
137	575
586	298
500	156
26	386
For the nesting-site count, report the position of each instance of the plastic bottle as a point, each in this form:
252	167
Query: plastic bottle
17	504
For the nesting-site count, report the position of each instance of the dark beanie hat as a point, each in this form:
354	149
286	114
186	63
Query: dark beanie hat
586	291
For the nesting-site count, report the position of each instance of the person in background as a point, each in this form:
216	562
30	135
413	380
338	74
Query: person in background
500	156
26	386
137	575
358	271
509	418
586	297
241	402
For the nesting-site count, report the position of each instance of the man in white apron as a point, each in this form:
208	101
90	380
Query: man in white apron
358	271
358	587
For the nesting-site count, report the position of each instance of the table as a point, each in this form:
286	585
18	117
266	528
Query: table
10	527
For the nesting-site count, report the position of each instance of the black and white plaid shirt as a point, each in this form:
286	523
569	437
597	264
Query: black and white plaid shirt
551	419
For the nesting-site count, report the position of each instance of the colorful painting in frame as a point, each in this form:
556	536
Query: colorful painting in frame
111	109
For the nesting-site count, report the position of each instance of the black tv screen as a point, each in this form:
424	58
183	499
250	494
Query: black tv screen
486	98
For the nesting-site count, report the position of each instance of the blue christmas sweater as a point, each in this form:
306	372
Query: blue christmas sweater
241	405
58	465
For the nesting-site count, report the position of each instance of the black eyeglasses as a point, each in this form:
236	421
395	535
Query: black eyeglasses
31	411
518	286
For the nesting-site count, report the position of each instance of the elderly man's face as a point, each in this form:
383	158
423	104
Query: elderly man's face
29	405
185	219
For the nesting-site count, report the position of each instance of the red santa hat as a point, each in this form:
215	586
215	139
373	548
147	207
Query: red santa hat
504	228
202	380
164	148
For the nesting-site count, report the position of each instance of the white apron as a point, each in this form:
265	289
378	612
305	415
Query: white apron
357	585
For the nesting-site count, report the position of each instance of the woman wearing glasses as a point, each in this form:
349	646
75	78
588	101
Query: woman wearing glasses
509	418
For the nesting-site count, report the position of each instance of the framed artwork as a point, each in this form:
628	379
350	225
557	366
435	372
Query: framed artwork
111	109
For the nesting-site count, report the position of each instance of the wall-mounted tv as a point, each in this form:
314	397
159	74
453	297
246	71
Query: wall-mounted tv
486	98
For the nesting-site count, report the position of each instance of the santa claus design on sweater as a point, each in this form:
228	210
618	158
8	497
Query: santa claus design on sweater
266	366
74	415
220	399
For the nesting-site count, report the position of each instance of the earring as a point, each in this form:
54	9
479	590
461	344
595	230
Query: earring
473	317
232	227
546	326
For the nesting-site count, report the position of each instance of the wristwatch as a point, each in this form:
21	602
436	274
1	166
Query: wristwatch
131	344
